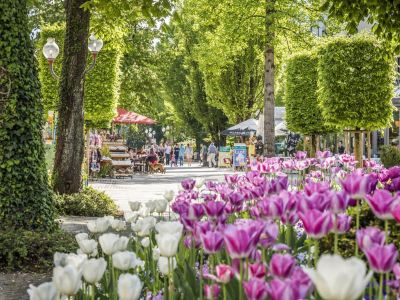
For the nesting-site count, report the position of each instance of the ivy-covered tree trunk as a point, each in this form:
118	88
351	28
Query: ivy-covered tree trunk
358	148
25	196
70	136
269	77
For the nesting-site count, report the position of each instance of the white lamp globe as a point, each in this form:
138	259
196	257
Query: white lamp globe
94	45
51	50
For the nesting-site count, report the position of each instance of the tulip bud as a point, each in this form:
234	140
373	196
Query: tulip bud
67	280
45	291
93	270
129	287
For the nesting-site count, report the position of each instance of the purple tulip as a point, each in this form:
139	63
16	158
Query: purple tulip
301	165
370	236
214	208
180	207
224	273
339	201
381	204
301	155
188	184
396	213
209	196
382	258
283	290
269	234
317	224
303	283
316	188
212	241
323	154
255	289
241	239
393	185
236	198
342	223
270	207
231	179
357	186
257	270
281	265
195	211
211	291
288	164
211	185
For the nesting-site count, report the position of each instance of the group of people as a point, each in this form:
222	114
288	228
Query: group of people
176	154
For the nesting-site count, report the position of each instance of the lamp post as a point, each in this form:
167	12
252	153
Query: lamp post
51	51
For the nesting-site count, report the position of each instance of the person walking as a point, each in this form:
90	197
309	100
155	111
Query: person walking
212	152
167	153
176	155
189	154
181	155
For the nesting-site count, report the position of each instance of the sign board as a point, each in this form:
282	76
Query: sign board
224	157
239	155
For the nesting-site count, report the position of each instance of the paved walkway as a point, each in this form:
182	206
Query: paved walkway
152	187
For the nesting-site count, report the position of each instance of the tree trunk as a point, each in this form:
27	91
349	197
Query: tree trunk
70	135
358	152
313	145
369	147
269	70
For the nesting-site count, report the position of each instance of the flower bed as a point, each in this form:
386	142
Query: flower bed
254	236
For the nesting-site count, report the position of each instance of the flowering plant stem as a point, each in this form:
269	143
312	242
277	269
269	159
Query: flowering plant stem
241	280
380	296
316	252
171	280
357	224
201	273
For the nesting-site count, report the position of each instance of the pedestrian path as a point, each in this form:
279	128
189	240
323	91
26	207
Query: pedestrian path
152	186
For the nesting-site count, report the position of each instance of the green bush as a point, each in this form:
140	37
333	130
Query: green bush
390	156
89	202
32	251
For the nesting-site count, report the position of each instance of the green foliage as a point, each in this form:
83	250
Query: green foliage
101	85
33	251
25	198
390	156
355	80
89	202
384	15
303	114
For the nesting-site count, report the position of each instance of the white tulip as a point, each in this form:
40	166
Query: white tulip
145	242
135	205
169	227
93	270
63	259
45	291
99	225
156	253
169	195
109	243
131	216
337	278
88	246
200	182
122	243
146	225
139	263
161	205
168	243
151	206
67	280
59	259
108	218
81	236
129	287
94	253
118	225
124	260
163	265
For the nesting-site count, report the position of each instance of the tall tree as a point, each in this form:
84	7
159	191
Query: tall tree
70	137
25	197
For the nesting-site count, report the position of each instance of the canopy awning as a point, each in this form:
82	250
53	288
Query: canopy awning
130	117
242	129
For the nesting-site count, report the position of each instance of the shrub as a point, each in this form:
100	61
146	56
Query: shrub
23	250
89	202
390	156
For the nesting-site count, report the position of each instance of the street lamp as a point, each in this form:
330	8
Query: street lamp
51	51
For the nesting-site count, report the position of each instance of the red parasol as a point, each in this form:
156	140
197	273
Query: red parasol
129	117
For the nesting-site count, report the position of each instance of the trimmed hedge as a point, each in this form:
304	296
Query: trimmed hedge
390	156
89	202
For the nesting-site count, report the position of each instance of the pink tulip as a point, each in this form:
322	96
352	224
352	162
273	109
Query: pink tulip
270	207
342	223
255	289
212	241
370	236
288	164
269	234
301	155
396	213
188	184
211	291
224	273
236	198
195	211
214	208
209	196
357	186
339	201
303	283
279	289
382	258
257	270
281	265
231	179
240	239
381	204
317	224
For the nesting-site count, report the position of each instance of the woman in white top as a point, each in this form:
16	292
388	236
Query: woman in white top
189	154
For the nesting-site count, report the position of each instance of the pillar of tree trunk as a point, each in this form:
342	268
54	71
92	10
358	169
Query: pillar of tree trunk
70	135
269	77
369	147
347	141
358	153
313	145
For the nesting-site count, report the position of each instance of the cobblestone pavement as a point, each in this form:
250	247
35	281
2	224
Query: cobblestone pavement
152	187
